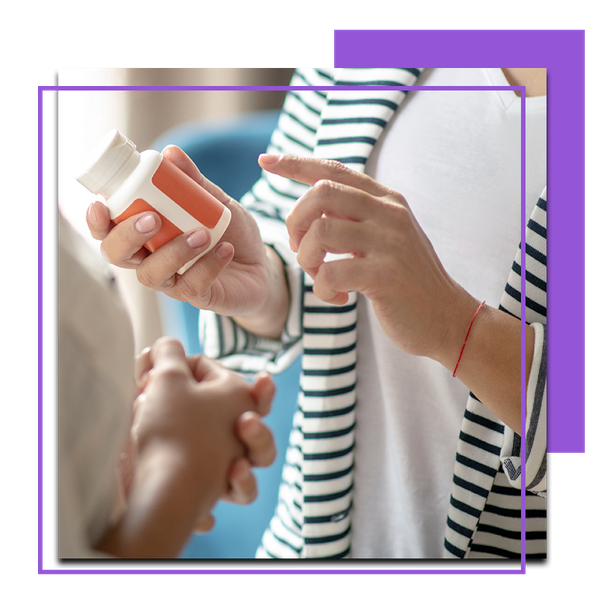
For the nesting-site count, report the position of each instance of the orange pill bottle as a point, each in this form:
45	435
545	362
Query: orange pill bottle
132	182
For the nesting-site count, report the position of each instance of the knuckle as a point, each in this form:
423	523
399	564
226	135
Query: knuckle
326	187
392	212
289	220
336	167
142	276
172	254
185	289
146	277
328	274
402	216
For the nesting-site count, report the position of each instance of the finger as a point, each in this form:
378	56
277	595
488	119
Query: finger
168	354
258	439
310	170
138	409
206	369
335	279
330	235
123	246
159	270
263	392
205	524
331	199
196	284
98	220
143	364
243	488
181	160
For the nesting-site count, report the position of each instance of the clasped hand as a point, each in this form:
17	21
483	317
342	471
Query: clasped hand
207	418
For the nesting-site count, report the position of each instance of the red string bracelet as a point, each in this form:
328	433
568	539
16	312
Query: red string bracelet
466	338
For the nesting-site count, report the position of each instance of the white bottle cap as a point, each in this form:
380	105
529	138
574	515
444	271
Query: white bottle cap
109	164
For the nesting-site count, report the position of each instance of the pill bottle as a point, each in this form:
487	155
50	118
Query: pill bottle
132	182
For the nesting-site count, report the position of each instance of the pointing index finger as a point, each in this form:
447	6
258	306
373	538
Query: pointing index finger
310	170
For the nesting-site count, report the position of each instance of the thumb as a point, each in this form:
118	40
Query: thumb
181	160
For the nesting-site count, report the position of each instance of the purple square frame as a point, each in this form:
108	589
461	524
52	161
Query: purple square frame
563	52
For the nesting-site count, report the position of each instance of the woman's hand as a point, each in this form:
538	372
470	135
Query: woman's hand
420	307
238	277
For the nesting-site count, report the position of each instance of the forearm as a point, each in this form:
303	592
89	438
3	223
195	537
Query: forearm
491	362
270	320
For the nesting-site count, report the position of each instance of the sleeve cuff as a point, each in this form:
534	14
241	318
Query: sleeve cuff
535	426
247	353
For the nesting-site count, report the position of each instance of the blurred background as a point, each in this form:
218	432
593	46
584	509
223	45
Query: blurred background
223	132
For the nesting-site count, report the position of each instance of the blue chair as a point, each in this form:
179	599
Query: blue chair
226	152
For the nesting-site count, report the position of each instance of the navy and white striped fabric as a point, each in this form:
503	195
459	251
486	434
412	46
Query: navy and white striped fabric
313	518
484	519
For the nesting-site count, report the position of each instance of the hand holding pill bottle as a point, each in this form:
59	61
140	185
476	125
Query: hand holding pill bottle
133	182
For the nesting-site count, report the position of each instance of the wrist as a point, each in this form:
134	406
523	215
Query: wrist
460	355
166	498
456	322
269	320
490	364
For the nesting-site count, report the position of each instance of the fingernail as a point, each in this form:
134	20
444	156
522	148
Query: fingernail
198	238
93	213
269	159
145	224
223	251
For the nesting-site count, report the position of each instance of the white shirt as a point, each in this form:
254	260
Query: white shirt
455	156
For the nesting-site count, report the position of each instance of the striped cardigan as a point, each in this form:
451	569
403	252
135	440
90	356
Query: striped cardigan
313	517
